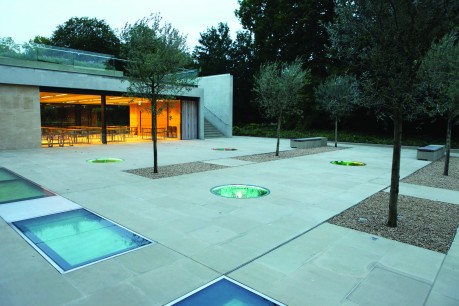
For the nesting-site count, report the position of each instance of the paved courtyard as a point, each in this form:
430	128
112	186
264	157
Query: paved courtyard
279	245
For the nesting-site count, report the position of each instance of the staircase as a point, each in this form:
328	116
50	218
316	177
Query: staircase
211	131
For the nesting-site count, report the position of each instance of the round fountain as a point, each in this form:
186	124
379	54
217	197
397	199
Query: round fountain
104	160
224	149
347	163
240	191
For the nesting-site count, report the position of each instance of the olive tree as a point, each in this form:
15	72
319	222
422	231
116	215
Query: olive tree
278	88
384	42
440	70
338	95
156	54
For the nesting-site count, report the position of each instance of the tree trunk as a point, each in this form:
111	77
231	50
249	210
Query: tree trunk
278	133
395	175
448	144
336	131
154	136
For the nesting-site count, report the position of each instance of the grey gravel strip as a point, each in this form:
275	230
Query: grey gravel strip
175	170
265	157
193	167
423	223
432	175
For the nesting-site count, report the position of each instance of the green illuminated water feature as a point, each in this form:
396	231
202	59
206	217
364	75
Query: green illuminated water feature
347	163
240	191
15	188
224	149
104	160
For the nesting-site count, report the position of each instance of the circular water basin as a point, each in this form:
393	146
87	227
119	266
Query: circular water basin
240	191
347	163
224	149
104	160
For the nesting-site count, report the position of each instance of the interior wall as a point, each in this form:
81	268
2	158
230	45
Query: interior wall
20	117
175	119
170	116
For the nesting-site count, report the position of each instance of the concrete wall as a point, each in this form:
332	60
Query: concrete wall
218	101
20	126
20	100
59	79
64	79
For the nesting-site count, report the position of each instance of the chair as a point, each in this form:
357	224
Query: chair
172	131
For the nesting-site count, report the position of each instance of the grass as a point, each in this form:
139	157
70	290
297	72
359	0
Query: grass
263	130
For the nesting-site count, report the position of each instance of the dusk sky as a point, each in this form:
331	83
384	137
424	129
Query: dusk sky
24	19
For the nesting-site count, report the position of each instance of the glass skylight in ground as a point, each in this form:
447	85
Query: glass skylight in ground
225	292
16	188
78	237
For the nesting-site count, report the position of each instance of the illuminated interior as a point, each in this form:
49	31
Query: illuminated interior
65	110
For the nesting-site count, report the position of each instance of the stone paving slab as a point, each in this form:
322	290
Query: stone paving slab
201	236
445	290
430	193
229	162
382	287
331	265
11	212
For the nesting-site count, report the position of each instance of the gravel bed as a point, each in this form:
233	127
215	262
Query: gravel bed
423	223
265	157
432	175
174	170
193	167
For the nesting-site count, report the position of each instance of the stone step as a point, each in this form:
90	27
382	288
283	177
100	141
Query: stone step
210	131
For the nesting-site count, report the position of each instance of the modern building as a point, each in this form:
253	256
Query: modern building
78	97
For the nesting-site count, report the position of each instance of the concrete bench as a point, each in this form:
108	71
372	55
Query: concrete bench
311	142
431	152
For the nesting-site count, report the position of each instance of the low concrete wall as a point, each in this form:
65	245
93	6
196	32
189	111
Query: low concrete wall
218	101
431	152
306	143
20	117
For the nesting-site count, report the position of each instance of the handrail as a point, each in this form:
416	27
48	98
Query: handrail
218	118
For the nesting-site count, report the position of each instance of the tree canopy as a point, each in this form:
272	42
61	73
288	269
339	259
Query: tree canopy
214	52
41	40
283	30
88	34
156	55
286	29
439	72
338	96
8	46
278	89
383	42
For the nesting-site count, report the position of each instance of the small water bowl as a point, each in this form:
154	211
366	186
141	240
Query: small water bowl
224	149
240	191
347	163
104	160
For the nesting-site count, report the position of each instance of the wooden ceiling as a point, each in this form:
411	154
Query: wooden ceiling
62	98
